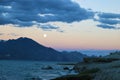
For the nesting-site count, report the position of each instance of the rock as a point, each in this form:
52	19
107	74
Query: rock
47	68
66	68
79	68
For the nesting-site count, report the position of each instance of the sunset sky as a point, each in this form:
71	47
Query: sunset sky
63	24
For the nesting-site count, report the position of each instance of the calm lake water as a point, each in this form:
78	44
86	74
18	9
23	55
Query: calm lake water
24	70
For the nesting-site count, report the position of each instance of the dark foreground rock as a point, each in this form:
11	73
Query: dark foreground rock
87	74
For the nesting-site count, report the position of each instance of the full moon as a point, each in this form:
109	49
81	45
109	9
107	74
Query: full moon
44	35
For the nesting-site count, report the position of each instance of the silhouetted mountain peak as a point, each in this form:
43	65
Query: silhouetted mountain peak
25	48
23	38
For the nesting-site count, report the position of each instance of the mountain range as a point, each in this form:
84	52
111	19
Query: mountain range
27	49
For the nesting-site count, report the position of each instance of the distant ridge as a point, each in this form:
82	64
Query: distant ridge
27	49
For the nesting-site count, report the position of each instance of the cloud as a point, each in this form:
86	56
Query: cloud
25	12
13	34
1	33
108	20
109	15
49	27
105	26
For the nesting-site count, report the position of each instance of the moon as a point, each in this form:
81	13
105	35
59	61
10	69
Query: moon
44	35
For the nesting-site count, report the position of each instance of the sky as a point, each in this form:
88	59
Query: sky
63	24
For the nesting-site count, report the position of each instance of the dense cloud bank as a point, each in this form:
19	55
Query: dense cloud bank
34	12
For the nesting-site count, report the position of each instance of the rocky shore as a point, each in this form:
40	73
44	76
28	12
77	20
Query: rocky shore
96	68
